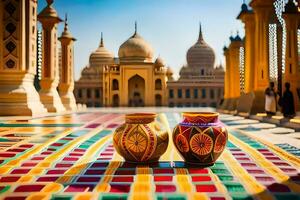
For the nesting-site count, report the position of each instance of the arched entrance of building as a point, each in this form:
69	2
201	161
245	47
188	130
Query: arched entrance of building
116	100
158	100
136	91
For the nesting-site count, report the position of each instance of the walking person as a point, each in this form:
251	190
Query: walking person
270	103
287	102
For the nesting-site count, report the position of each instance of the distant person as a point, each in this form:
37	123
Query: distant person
270	103
287	102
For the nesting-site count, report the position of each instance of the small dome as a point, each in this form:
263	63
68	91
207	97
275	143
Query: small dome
159	62
245	7
92	73
49	13
186	71
66	34
170	71
136	48
101	55
201	54
238	38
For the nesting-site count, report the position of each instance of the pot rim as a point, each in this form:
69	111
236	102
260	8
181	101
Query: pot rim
204	114
140	115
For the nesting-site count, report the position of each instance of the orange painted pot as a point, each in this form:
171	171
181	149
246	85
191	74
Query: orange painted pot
141	138
200	138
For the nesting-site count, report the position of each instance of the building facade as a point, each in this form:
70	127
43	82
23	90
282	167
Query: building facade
131	79
134	79
200	82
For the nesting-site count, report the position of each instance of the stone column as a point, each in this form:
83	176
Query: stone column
226	102
50	71
227	74
18	32
66	84
234	53
292	69
234	77
247	17
262	10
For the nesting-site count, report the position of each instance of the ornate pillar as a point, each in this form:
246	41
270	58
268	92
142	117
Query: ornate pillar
50	71
247	17
18	58
227	83
227	74
279	33
262	10
66	84
234	54
292	69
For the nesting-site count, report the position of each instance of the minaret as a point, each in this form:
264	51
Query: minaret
50	71
18	35
66	84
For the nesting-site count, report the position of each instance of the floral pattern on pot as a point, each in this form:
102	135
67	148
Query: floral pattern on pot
200	138
201	144
141	138
220	141
182	143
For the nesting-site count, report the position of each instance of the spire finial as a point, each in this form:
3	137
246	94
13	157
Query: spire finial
135	28
66	22
244	6
101	42
50	2
200	33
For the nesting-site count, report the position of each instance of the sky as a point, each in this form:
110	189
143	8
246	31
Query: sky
170	26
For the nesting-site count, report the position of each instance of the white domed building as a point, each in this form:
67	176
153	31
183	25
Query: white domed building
201	82
135	78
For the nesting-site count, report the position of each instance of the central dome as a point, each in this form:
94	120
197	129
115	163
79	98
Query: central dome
101	55
201	55
136	49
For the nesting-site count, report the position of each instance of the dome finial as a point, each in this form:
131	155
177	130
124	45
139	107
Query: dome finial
135	28
50	2
200	33
66	22
101	41
244	7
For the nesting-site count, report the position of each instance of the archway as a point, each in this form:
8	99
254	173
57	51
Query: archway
116	100
136	91
115	84
158	84
158	100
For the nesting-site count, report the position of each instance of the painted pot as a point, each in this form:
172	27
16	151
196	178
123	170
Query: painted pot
200	138
141	138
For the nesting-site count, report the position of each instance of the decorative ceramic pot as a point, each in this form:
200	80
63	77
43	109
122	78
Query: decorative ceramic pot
141	138
200	138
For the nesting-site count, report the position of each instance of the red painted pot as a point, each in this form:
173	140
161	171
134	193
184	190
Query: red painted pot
200	138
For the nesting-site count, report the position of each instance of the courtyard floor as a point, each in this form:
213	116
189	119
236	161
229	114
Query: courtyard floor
71	156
